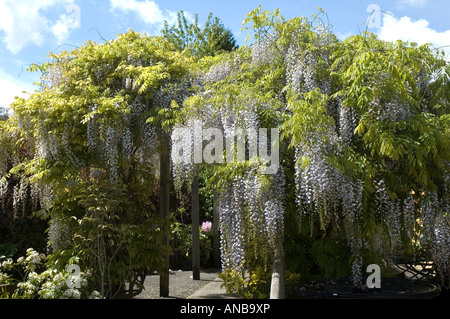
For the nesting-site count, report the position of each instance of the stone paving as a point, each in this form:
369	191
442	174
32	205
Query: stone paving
182	286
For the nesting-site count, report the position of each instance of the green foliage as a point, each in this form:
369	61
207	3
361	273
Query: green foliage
418	145
7	251
309	115
263	22
332	257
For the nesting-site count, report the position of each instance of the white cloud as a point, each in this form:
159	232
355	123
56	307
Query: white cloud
343	36
61	30
23	22
148	11
413	31
10	88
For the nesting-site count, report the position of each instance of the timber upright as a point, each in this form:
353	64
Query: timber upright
164	209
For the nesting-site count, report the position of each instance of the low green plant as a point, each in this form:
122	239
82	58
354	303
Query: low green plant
184	235
252	283
111	235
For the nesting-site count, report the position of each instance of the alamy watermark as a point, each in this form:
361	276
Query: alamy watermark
74	19
374	280
374	20
253	145
74	280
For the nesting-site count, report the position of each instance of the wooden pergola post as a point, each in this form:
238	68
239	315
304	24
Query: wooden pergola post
195	216
277	287
164	184
216	240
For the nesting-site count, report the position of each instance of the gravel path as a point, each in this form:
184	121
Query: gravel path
181	284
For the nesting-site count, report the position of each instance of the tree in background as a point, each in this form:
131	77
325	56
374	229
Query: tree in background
214	39
3	113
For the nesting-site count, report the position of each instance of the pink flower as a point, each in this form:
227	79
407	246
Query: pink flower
206	227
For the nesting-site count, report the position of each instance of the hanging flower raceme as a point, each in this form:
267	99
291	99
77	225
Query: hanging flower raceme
251	213
435	232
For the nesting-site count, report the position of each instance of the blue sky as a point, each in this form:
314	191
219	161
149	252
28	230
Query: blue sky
30	29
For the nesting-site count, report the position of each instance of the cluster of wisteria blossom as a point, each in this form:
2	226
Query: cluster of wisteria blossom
171	91
348	121
183	171
55	76
441	249
20	195
357	263
51	78
324	34
59	234
5	161
250	212
273	203
134	137
3	190
247	209
23	194
220	71
232	226
48	144
389	211
263	50
325	194
435	232
393	110
302	63
112	153
300	70
317	182
93	132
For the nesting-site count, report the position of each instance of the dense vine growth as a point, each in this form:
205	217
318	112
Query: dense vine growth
362	174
